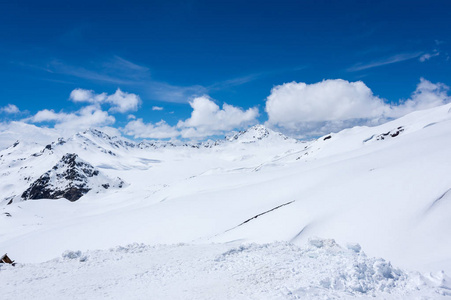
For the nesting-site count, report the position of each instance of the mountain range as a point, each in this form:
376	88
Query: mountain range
386	188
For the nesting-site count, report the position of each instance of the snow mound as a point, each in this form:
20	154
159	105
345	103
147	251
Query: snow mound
70	178
320	270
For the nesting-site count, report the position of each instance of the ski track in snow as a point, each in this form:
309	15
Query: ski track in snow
261	214
437	201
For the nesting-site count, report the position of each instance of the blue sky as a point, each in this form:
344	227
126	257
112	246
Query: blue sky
167	53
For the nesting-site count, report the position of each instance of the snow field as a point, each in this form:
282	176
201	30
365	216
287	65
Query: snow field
279	270
391	195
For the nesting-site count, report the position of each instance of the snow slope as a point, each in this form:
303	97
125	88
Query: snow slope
386	188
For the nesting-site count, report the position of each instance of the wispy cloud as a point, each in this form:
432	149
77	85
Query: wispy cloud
236	81
121	63
120	71
428	56
384	61
113	70
172	93
251	77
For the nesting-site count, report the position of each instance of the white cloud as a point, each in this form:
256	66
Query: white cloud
157	108
172	93
384	61
10	109
160	130
426	95
88	116
207	119
123	102
428	56
82	95
329	100
120	101
16	130
47	115
315	109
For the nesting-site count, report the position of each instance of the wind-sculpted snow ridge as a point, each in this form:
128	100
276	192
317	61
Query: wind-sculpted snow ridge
320	270
70	178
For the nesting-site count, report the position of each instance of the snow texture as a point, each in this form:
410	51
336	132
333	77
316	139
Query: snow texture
320	270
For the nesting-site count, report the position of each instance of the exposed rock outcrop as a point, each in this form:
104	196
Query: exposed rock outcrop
70	178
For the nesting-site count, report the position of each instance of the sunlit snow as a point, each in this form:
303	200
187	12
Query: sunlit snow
248	209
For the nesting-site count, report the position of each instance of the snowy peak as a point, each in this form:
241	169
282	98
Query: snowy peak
100	136
98	139
256	133
95	133
70	178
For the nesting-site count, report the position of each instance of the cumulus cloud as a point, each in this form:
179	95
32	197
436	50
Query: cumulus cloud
82	95
304	110
123	102
329	100
157	108
207	119
88	116
16	130
10	109
426	95
120	101
160	130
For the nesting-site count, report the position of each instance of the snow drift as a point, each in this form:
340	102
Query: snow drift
320	270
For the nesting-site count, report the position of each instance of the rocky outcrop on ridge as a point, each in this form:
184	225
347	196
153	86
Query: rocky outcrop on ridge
70	178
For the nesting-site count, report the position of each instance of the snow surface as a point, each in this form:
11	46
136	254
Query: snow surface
391	195
280	270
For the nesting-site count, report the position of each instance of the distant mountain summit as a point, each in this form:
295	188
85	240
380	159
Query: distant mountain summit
257	133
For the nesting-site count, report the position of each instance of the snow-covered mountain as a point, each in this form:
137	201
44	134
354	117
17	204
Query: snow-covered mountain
31	161
385	187
257	133
70	178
